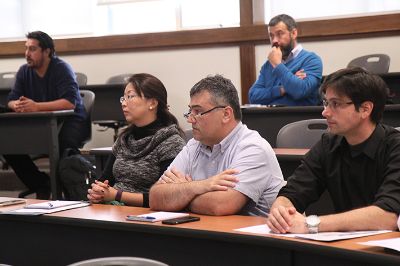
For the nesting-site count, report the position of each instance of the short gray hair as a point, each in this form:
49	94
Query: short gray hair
286	19
222	90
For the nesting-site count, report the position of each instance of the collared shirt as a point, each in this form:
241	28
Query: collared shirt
355	176
294	53
260	176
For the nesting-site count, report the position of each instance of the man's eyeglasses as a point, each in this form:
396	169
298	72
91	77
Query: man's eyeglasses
195	115
127	98
334	104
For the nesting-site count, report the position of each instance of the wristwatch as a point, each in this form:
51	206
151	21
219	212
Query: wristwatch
312	223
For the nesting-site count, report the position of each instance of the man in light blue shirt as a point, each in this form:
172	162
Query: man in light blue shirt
226	168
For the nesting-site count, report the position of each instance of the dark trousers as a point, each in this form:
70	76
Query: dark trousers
72	135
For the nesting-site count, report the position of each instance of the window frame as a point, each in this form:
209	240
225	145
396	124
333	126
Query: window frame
317	30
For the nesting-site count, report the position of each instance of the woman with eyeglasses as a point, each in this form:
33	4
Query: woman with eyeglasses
144	150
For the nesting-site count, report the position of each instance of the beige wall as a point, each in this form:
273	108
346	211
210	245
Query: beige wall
181	69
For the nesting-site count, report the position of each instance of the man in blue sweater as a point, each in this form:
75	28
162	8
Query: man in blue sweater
292	75
46	83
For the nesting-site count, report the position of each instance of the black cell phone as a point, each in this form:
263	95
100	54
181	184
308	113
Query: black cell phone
181	220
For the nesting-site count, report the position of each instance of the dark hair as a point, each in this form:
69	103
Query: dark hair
45	41
222	90
152	88
286	19
360	86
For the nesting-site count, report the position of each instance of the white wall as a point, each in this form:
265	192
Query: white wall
179	70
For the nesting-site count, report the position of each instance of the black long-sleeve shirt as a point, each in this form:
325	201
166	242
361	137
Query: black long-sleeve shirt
355	176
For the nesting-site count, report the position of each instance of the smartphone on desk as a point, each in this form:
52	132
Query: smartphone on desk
181	220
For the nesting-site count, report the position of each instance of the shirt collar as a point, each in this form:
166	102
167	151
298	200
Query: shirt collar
370	145
373	141
224	144
228	139
295	52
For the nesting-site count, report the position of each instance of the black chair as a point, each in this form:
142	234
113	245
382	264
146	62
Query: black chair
119	79
114	261
81	78
114	124
374	63
88	98
301	134
188	134
7	79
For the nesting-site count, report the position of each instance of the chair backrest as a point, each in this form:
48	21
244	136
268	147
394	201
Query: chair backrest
119	79
188	134
88	102
374	63
114	261
81	78
301	134
7	79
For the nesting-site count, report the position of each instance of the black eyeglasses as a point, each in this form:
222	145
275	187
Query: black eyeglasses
334	104
195	115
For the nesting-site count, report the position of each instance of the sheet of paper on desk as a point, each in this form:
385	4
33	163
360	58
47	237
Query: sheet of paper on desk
6	201
32	211
52	204
333	236
324	236
262	229
392	243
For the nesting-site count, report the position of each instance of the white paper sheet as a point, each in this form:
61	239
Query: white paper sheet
30	211
392	243
324	236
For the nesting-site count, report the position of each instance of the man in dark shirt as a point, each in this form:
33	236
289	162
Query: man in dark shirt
46	83
358	162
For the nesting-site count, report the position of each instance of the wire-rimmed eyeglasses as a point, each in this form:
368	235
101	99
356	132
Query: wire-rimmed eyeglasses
195	115
127	98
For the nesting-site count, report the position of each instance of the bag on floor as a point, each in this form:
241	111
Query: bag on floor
76	173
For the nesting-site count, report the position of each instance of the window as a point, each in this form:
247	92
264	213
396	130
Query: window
57	17
63	18
309	9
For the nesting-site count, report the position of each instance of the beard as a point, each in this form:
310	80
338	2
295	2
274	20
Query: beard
287	49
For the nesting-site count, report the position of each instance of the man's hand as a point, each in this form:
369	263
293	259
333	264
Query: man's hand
275	56
283	220
174	176
25	105
301	74
220	182
101	192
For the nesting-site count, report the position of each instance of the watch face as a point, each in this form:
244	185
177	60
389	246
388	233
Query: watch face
312	220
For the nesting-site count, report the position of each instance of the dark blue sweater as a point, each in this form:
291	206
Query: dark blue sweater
266	90
58	83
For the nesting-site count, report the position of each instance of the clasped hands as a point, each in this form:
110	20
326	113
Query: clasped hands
283	220
220	182
25	105
101	192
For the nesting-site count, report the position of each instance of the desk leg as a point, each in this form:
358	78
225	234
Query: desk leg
100	164
54	156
